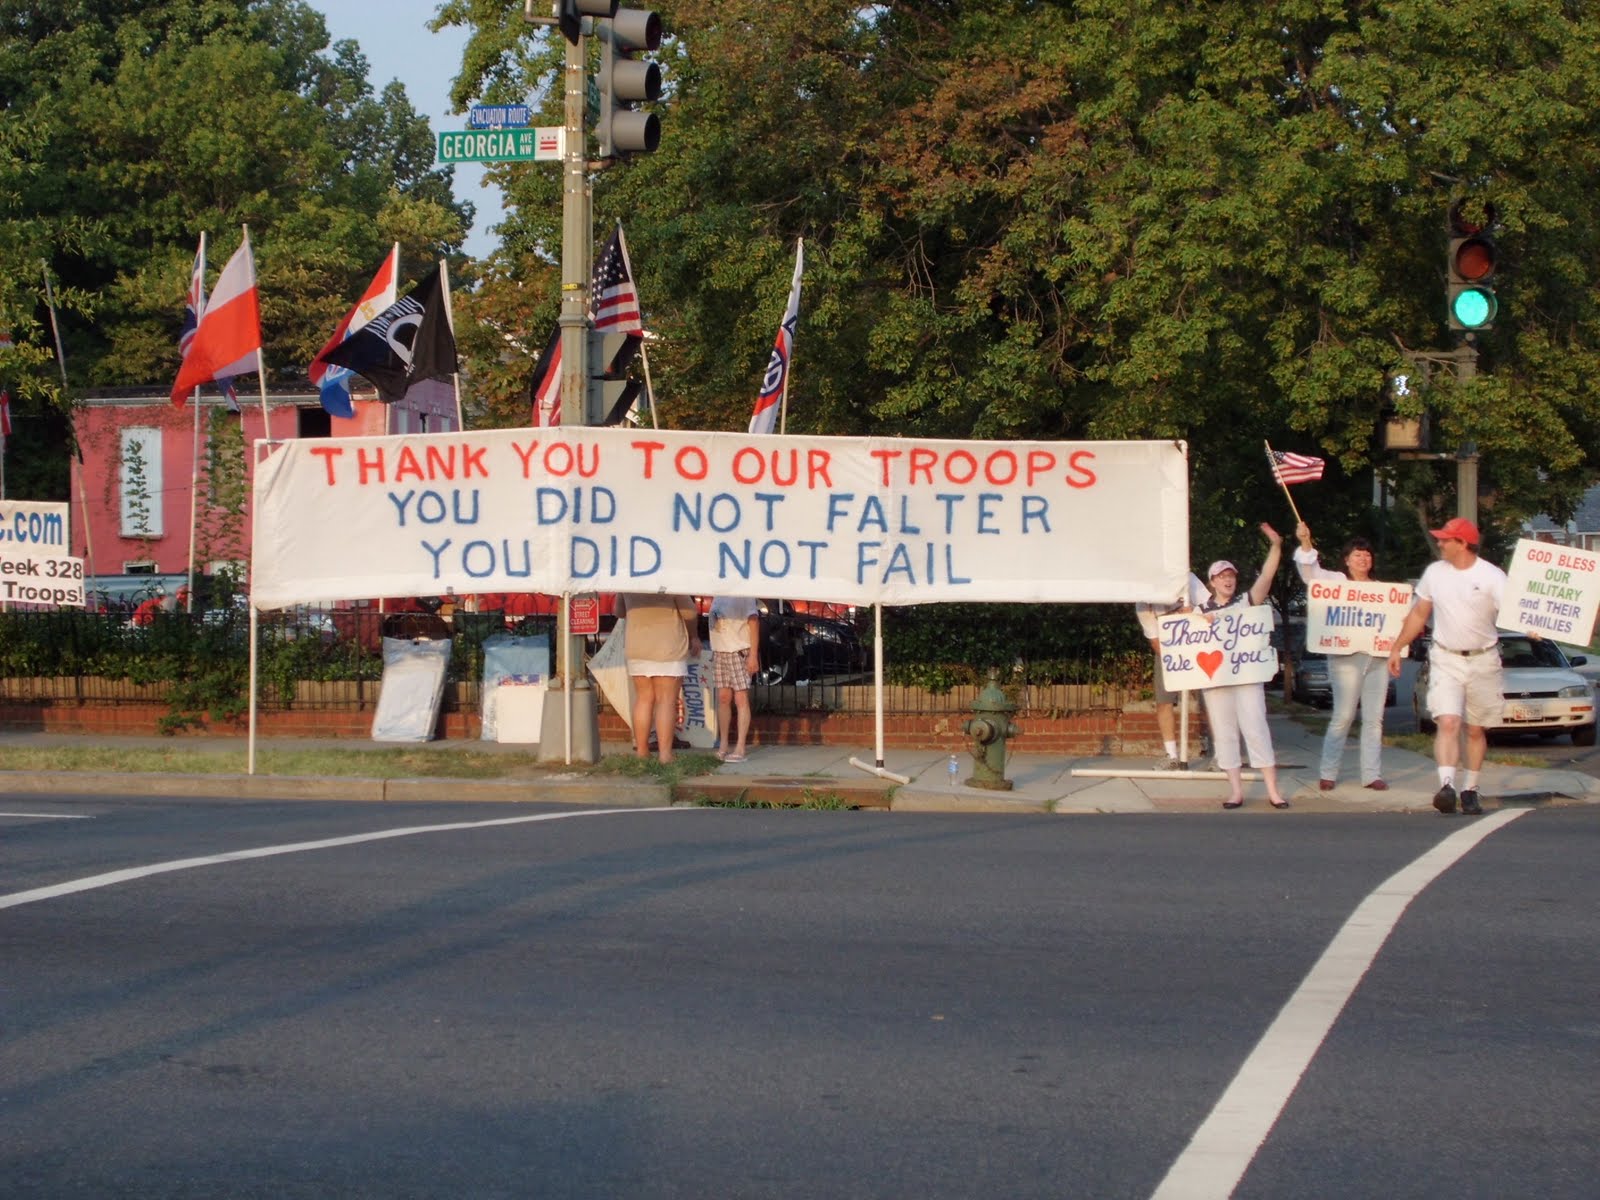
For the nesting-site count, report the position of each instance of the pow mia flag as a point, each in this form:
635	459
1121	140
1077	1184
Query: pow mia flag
407	342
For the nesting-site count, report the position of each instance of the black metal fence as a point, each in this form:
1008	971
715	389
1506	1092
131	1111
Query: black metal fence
332	658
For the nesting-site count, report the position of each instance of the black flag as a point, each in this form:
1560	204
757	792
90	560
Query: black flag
407	342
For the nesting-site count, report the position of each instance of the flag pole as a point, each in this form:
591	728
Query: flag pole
788	373
1276	474
450	319
61	361
649	388
194	400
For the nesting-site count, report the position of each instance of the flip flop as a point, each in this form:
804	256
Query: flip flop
734	758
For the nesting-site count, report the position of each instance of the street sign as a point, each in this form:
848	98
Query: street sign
583	615
544	143
498	116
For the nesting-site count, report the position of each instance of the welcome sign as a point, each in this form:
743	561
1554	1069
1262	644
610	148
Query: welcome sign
853	520
1233	646
1347	617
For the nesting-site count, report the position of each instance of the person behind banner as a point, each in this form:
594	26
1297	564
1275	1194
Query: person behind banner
662	636
1462	593
1166	699
735	657
1357	679
1240	709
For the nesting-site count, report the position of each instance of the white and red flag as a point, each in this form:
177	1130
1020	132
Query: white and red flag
227	339
775	384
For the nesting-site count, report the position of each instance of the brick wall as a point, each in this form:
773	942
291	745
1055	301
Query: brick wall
1130	730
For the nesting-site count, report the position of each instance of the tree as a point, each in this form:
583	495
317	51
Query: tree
1222	223
134	126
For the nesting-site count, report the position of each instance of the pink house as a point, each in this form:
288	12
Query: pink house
131	494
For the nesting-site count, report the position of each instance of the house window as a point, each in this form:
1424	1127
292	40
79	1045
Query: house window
145	567
139	479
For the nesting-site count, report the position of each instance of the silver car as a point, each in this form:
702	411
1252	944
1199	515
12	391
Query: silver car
1543	694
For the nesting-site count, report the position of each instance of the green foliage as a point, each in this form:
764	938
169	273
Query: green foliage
943	646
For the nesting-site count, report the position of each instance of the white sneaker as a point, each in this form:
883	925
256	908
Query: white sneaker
1170	764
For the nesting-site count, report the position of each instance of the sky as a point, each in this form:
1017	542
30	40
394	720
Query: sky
394	36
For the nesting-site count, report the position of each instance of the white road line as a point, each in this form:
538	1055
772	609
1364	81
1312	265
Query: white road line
50	816
128	874
1222	1149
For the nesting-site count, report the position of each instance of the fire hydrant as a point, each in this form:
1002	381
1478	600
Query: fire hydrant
989	727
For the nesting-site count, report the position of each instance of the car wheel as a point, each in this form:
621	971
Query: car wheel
1583	736
771	673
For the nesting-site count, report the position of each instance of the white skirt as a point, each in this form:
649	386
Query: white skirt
644	666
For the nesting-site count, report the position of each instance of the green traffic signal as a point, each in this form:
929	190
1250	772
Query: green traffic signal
1473	308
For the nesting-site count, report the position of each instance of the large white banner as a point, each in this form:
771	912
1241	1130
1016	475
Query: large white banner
853	520
1553	591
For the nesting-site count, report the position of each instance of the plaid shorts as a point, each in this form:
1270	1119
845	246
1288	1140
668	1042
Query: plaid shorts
728	670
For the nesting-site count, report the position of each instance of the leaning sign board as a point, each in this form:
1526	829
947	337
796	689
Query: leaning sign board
1553	591
853	520
545	143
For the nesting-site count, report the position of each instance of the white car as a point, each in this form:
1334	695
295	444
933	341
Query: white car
1543	694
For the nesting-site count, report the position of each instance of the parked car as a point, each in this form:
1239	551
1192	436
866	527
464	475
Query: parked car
800	646
1543	694
1312	684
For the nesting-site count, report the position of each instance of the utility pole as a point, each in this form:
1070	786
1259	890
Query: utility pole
1466	367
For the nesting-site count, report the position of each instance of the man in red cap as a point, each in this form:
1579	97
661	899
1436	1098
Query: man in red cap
1462	593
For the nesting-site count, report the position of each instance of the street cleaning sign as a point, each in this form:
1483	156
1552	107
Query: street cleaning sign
543	143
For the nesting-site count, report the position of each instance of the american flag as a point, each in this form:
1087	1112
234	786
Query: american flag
546	388
1289	467
613	302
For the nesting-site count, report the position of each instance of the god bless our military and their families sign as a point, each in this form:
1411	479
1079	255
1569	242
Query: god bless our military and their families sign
853	520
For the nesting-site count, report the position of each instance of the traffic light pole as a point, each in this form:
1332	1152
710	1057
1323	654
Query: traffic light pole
570	730
1466	367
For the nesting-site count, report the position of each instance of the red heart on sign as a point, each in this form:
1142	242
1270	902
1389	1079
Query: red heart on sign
1209	661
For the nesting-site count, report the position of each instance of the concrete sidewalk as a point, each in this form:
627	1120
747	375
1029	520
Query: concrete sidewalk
830	775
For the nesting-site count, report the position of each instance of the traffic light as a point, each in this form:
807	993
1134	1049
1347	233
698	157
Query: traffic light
1472	260
570	14
614	391
626	81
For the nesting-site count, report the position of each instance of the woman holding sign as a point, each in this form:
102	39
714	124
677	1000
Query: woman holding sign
1356	678
1240	709
662	634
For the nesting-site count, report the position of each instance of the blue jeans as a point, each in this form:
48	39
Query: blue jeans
1357	679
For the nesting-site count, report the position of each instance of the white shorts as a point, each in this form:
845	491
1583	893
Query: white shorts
644	666
1465	685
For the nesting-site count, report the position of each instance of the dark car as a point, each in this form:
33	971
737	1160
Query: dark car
802	646
1312	684
798	647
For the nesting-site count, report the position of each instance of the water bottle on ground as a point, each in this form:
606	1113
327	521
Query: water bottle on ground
954	767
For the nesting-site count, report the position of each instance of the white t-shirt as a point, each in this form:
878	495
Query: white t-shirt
1150	614
730	622
1465	603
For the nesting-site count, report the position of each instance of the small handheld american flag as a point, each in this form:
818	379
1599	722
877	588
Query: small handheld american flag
1289	467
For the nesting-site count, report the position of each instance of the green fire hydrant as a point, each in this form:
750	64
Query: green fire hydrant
989	727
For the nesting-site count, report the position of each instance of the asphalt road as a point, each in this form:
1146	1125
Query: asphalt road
523	1001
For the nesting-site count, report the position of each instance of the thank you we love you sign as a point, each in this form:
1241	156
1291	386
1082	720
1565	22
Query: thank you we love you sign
1233	646
1553	591
1347	617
